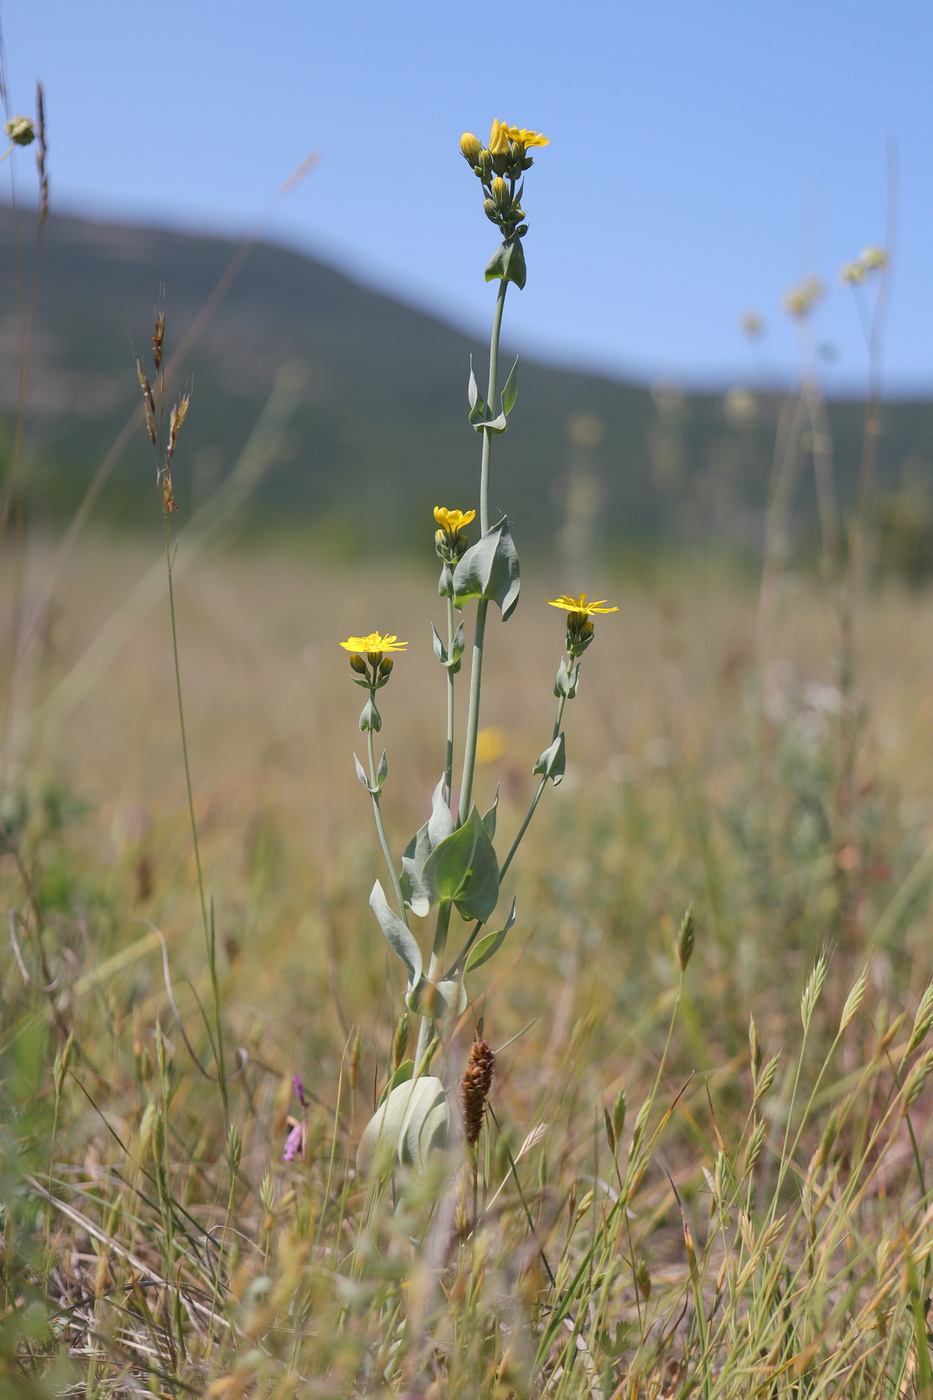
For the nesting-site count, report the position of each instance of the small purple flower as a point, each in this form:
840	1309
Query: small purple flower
297	1128
294	1143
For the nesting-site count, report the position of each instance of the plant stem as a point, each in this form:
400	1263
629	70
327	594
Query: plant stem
208	920
476	668
561	702
476	684
380	826
427	1030
449	771
490	402
184	739
462	956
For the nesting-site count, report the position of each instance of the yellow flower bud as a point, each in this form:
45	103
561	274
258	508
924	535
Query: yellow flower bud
498	139
500	191
470	147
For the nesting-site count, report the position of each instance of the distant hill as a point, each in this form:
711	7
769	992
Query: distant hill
382	434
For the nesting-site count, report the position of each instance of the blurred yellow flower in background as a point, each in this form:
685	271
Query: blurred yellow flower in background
491	744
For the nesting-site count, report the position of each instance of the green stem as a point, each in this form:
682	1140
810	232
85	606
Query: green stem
380	827
428	1029
476	670
184	739
561	702
462	956
490	402
449	771
476	684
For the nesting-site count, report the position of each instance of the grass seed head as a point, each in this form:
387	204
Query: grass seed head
918	1077
754	1048
922	1021
767	1078
474	1088
158	337
853	1002
353	1067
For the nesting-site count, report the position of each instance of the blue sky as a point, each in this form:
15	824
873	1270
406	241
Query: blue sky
704	155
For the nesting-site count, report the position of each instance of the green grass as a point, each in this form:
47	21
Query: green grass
758	1225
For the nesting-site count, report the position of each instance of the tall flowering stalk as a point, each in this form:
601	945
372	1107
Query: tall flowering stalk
451	864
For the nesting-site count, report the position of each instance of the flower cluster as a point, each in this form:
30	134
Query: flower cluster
367	658
499	166
450	541
579	623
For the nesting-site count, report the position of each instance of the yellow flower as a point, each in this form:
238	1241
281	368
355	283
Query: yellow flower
498	139
470	146
491	744
523	137
453	521
500	192
580	605
373	645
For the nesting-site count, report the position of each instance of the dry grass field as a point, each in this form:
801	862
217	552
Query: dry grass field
752	1217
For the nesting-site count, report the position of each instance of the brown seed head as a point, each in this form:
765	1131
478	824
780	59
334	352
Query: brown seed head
148	403
474	1088
176	419
158	337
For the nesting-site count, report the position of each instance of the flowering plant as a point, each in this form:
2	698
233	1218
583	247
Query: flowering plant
451	864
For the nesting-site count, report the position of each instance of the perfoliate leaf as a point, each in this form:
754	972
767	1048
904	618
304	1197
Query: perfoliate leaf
449	660
381	774
464	869
438	999
413	891
553	761
568	678
489	569
439	825
370	718
495	425
510	392
400	939
411	1123
473	393
489	818
508	262
489	944
477	402
401	1076
440	822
